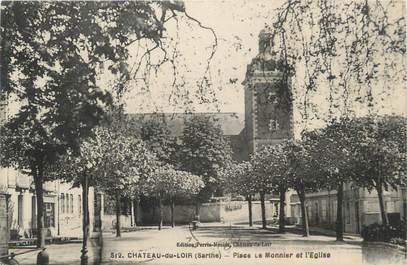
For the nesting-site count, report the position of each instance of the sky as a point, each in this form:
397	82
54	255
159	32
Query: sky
237	24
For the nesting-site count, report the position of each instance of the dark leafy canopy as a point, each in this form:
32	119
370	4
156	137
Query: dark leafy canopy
369	151
126	160
51	53
288	164
271	169
238	178
158	138
53	32
331	151
302	172
204	152
25	146
380	151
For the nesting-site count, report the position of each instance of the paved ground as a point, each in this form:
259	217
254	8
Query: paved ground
61	254
221	244
239	245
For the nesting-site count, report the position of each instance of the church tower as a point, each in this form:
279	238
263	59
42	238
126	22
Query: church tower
268	111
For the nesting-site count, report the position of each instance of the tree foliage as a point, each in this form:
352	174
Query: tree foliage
369	152
238	178
157	137
301	172
204	152
52	53
270	168
112	161
342	50
167	182
332	153
380	150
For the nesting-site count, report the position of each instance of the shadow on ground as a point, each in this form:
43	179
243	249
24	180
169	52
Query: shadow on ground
234	233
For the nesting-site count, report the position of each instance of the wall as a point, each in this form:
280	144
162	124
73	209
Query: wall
242	214
360	208
109	222
235	212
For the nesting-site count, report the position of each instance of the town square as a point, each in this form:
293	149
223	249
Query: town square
203	132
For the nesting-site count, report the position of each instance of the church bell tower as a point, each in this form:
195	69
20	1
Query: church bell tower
268	108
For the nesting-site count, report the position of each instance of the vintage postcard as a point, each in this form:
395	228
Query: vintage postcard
203	132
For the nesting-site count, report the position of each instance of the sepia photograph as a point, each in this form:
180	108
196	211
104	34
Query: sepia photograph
202	132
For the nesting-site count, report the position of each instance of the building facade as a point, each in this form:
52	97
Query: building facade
360	207
62	206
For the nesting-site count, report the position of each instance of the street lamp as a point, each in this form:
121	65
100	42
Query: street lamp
85	223
59	207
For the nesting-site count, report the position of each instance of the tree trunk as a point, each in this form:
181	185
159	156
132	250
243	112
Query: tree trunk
39	180
172	212
281	221
197	206
249	201
118	211
85	220
135	210
263	210
305	227
383	213
131	213
160	205
339	218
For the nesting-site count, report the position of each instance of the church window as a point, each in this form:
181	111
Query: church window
273	125
272	97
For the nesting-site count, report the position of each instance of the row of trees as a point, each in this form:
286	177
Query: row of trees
200	149
169	183
116	161
369	152
126	159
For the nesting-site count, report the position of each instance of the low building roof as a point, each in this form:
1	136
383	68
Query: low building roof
231	123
